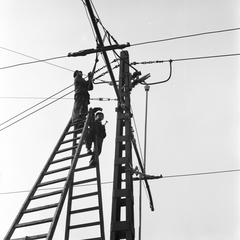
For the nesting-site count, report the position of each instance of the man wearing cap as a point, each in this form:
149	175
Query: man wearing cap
81	96
97	129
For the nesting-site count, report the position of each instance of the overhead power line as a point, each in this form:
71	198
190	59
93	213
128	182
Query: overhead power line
175	60
31	112
36	60
187	59
37	105
132	45
185	36
64	98
199	174
172	60
205	57
162	61
110	182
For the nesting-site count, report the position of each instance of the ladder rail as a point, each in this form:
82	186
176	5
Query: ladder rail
69	202
100	222
68	182
67	172
99	192
35	186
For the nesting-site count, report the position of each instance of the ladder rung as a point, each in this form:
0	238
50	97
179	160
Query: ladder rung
70	140
85	155
66	149
76	122
78	130
62	159
26	224
85	195
52	182
41	208
32	237
98	238
57	170
84	225
85	181
47	194
83	168
85	210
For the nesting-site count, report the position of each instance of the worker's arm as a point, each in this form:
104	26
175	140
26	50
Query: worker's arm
90	81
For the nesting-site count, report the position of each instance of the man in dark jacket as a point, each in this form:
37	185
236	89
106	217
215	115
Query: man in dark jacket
96	128
81	96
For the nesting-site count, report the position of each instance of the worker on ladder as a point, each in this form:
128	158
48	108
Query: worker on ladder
96	131
81	96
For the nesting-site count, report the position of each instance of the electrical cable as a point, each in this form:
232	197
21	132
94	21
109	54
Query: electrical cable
163	81
100	99
35	105
134	122
55	65
132	45
34	112
174	60
33	98
205	57
170	61
93	7
85	7
144	168
140	150
140	158
56	99
96	99
190	58
37	61
103	40
186	59
107	35
55	188
185	36
110	182
199	174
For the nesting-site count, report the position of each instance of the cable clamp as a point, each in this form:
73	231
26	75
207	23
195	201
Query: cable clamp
140	80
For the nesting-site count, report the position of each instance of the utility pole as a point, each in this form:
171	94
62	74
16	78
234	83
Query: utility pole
101	45
122	222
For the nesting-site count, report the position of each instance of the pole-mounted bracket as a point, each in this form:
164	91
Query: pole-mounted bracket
141	175
99	49
140	80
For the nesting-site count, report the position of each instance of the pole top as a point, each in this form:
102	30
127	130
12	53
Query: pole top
147	87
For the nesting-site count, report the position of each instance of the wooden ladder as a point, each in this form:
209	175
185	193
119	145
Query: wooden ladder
57	188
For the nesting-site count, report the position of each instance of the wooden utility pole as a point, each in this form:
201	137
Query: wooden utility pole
122	222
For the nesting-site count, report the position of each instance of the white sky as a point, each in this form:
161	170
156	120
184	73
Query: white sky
193	120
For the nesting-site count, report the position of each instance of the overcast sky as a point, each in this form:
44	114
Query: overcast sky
193	119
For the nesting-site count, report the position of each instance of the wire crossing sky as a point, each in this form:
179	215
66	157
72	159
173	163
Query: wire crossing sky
109	182
136	44
193	119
